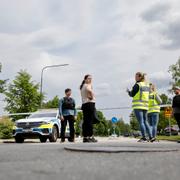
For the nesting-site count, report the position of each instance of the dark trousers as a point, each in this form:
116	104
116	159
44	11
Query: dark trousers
88	117
70	120
177	117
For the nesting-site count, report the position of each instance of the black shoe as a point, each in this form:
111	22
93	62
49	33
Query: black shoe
143	140
62	141
178	141
89	140
86	140
93	140
152	140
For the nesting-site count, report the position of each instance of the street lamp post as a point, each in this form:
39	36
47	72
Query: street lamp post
42	72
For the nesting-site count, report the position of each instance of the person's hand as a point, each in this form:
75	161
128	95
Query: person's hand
75	117
61	118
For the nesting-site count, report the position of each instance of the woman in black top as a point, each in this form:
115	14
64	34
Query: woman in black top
176	106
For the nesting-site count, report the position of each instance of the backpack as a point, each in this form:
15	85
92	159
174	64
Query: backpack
68	103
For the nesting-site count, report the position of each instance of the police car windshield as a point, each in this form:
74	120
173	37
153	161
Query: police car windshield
42	115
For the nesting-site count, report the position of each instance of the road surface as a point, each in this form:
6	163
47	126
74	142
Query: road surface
50	161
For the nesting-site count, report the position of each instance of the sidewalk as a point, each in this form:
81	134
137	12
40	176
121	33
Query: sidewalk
100	140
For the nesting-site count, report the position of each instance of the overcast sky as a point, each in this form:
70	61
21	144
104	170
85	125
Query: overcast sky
110	39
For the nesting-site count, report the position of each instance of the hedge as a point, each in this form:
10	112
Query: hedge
6	128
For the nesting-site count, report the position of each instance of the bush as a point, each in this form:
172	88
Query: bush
6	128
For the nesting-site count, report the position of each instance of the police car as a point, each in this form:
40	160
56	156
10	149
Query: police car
43	124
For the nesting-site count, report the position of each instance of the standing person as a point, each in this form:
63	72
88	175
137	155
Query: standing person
140	94
154	110
176	105
67	112
88	108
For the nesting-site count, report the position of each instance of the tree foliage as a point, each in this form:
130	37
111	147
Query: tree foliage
54	103
174	70
164	122
6	128
165	99
22	94
133	122
2	82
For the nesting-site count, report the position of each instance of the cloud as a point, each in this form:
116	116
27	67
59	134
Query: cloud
157	12
111	40
160	79
163	23
103	90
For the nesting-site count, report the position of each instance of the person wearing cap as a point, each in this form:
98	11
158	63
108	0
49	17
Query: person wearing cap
140	103
176	105
154	110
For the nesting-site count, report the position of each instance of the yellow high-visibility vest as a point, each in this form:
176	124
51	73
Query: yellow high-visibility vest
141	99
153	104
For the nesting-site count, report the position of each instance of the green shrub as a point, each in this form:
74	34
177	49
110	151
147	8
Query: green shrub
6	128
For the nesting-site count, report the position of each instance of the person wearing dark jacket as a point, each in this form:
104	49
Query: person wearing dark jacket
176	105
67	112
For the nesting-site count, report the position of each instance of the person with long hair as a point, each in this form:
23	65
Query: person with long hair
140	94
176	105
88	108
154	110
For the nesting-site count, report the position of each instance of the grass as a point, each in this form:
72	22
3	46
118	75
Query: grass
169	138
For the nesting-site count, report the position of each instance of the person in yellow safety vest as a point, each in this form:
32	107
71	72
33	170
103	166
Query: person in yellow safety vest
140	103
154	110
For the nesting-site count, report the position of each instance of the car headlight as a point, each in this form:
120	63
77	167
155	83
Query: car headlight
44	122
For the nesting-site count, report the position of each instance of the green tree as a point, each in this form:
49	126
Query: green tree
6	128
2	82
164	122
165	99
174	70
22	94
54	103
133	122
122	127
101	129
78	123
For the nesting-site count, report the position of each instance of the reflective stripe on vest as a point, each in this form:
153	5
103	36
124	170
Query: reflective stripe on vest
153	104
141	99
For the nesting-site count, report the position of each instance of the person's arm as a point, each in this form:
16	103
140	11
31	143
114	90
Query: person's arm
158	99
75	110
60	109
90	92
134	90
173	102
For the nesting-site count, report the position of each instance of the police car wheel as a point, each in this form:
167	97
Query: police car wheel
53	137
19	139
43	139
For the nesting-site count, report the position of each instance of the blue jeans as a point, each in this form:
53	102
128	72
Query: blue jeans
153	119
141	116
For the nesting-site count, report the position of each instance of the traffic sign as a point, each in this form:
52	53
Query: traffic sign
168	112
114	120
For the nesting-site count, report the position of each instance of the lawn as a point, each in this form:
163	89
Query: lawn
169	138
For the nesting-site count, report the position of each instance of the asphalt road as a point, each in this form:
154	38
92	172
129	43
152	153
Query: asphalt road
36	161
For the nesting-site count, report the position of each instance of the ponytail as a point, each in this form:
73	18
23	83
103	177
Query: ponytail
83	82
144	77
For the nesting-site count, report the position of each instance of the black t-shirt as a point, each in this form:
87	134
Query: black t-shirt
176	104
